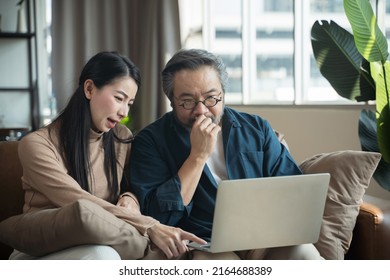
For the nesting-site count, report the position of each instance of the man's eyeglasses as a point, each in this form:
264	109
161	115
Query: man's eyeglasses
190	104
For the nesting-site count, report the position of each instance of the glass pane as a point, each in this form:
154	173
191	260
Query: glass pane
278	6
192	23
274	51
386	22
327	6
319	88
226	18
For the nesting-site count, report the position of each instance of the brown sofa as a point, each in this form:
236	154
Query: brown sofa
371	236
11	193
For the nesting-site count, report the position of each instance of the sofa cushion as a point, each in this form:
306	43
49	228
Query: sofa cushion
351	172
83	222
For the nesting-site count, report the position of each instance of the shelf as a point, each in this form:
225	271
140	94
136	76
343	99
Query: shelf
16	89
21	48
11	35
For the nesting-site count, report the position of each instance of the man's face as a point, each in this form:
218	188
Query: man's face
197	85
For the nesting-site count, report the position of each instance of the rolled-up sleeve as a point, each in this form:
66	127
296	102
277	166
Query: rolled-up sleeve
155	181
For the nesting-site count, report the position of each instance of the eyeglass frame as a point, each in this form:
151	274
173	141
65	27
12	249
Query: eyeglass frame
196	102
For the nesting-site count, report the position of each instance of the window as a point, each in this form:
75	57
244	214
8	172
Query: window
265	45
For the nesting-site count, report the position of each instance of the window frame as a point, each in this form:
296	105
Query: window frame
301	60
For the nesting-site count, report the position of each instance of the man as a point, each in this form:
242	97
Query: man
178	161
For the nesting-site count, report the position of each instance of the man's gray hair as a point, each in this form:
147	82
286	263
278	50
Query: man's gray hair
192	59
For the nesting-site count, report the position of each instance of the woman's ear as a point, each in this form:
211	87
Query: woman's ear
88	88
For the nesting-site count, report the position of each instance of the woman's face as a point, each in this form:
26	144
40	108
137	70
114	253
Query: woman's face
111	103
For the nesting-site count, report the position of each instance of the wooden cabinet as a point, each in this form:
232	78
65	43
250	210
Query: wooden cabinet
19	99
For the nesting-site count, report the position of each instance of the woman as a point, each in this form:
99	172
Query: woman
82	154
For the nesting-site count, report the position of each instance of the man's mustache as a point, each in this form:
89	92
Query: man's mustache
213	119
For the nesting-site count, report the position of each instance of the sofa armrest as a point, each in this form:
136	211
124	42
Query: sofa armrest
371	235
11	191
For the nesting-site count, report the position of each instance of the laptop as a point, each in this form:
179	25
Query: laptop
267	212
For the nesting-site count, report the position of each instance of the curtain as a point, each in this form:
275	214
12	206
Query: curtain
147	31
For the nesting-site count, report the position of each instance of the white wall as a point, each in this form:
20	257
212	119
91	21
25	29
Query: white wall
311	130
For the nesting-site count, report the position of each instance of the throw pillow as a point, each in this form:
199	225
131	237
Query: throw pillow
83	222
351	172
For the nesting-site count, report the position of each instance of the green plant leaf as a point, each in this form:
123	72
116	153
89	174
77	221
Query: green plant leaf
381	75
369	39
367	83
374	128
128	121
340	62
368	141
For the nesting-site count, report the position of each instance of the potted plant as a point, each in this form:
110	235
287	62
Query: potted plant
356	66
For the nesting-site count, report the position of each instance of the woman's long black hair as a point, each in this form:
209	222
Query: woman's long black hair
75	120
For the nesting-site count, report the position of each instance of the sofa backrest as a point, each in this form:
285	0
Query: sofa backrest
11	192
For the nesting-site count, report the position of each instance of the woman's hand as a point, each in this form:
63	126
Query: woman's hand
129	202
171	240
